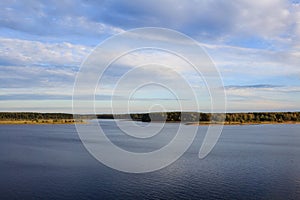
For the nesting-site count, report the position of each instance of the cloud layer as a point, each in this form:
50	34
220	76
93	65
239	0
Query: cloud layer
255	45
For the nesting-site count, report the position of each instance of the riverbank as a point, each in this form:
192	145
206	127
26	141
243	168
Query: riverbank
238	123
44	121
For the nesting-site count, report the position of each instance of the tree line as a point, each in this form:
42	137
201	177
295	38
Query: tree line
251	117
33	116
263	117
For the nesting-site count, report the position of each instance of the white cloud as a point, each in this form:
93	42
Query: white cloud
25	52
262	98
261	62
32	67
266	18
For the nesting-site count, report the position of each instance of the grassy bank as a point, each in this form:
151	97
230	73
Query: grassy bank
43	121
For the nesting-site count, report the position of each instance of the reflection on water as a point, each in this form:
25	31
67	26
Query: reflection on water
248	162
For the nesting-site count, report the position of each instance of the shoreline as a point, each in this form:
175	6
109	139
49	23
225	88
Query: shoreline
42	122
206	123
73	121
239	124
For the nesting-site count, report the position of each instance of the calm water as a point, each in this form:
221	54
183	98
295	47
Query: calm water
248	162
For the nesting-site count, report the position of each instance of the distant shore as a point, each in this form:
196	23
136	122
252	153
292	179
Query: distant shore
71	121
238	123
44	121
38	118
191	118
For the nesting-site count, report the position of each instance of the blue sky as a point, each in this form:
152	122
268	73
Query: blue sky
254	44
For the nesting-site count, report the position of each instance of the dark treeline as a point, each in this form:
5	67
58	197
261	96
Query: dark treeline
168	116
33	116
158	116
107	116
253	117
263	117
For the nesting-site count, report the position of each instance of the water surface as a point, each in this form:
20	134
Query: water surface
248	162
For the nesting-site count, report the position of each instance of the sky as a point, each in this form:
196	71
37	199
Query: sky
255	45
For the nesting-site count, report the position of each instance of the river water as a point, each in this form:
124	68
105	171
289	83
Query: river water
248	162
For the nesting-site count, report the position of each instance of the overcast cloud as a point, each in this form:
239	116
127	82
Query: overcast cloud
253	43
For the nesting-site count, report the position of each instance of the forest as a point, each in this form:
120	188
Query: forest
251	117
230	118
33	116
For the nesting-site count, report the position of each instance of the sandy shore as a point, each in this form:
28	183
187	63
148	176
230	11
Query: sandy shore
72	121
43	121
